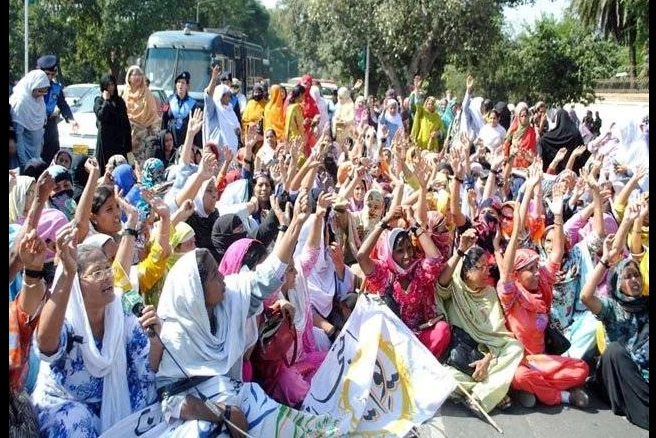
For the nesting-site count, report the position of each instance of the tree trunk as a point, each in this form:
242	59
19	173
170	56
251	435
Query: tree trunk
391	73
631	42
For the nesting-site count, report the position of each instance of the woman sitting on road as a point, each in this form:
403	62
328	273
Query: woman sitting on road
98	364
623	372
525	290
472	305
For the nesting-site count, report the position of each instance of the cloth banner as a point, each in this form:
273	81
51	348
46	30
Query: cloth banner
378	379
266	417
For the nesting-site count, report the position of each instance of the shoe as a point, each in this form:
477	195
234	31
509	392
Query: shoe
525	398
579	398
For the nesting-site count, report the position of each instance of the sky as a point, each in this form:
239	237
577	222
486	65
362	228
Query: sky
526	14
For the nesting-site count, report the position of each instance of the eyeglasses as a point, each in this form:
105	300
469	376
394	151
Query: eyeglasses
101	274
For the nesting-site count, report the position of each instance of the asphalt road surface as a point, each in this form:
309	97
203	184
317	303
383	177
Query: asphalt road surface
564	421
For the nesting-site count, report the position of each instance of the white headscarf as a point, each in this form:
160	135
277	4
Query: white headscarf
109	363
321	278
198	200
26	110
224	131
18	196
315	92
186	329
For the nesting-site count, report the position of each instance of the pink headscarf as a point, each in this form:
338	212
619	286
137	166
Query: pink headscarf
50	222
233	259
536	302
385	254
439	232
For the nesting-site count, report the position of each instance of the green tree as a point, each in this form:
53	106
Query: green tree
406	37
625	20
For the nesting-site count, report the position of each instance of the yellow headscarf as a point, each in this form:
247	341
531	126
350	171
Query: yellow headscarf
140	102
274	112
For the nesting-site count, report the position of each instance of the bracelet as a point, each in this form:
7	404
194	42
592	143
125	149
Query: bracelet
384	225
605	263
460	252
34	274
130	232
461	181
283	228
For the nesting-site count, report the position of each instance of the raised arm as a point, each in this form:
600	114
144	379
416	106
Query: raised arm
467	239
588	297
284	249
506	268
457	158
556	206
364	253
45	184
83	211
623	196
194	182
193	127
635	244
54	310
125	252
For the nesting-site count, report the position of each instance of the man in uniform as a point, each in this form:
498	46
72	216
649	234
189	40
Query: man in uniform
181	106
55	105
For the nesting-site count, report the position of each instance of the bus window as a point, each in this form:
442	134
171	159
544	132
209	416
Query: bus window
159	66
197	64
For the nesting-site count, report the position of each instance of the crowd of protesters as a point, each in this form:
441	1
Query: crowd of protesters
476	222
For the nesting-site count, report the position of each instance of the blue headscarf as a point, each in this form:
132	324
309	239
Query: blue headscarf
124	178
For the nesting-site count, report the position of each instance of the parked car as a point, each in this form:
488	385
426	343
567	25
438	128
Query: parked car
73	93
83	142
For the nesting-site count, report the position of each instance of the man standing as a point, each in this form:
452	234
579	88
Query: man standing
55	105
181	106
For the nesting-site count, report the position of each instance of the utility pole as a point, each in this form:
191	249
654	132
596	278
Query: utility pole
26	35
366	72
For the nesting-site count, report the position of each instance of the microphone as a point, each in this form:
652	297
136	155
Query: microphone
132	302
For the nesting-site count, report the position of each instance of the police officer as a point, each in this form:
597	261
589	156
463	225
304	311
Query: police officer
55	105
181	106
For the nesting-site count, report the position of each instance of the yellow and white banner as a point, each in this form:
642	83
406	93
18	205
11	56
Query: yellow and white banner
378	379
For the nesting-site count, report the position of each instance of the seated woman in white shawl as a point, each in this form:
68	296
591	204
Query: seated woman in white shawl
98	365
204	317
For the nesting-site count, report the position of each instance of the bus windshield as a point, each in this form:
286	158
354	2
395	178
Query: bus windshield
161	67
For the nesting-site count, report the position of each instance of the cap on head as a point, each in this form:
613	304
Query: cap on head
184	75
47	62
236	83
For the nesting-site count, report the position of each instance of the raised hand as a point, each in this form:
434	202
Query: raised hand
32	251
467	239
44	186
67	248
560	155
196	120
302	207
579	150
394	214
557	196
324	201
470	82
280	215
632	212
610	253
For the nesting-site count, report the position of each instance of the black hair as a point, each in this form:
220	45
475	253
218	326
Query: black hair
206	264
472	256
35	167
445	166
255	252
399	238
487	105
297	92
100	196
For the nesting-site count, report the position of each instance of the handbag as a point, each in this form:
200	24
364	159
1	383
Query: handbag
276	335
554	341
462	351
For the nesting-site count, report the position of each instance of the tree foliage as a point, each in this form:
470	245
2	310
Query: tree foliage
84	32
406	36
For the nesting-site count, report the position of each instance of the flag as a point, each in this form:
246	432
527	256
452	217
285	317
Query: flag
378	379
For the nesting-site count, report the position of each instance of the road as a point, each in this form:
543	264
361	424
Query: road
597	421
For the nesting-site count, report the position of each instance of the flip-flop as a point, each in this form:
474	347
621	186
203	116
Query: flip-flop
505	403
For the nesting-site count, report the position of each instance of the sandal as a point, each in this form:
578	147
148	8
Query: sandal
505	403
579	398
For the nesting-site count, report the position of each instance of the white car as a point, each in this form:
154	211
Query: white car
74	93
83	142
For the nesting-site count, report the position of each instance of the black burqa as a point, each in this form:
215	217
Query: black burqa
114	131
564	135
504	114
